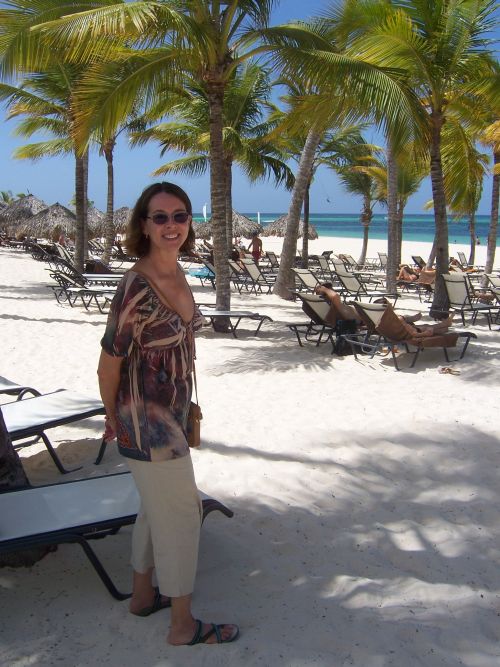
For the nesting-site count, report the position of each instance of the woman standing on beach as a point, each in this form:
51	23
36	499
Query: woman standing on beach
145	379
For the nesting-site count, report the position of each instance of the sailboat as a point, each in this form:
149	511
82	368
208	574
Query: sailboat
205	212
258	217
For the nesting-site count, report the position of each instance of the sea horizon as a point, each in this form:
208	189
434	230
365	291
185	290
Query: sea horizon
416	226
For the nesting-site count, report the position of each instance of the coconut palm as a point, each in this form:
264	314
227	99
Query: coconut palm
464	168
44	103
410	171
491	137
163	43
343	88
245	134
441	45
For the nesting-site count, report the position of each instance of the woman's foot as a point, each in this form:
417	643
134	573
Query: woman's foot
145	605
203	633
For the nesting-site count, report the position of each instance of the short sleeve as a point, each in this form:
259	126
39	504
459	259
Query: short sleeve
119	334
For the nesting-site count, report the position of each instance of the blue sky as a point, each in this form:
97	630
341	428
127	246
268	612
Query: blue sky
52	179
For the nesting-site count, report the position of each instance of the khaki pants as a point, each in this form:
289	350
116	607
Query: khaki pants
167	529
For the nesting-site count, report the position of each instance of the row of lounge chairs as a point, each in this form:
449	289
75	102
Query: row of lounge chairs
69	512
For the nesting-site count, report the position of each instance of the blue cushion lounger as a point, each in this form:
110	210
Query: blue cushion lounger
31	417
75	512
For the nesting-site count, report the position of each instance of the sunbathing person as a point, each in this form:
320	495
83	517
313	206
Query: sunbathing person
340	310
408	274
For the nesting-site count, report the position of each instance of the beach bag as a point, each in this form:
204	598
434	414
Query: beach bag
193	429
194	425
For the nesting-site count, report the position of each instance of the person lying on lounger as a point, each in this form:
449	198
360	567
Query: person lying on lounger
343	311
408	274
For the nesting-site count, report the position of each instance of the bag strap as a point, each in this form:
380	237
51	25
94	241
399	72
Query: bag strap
195	384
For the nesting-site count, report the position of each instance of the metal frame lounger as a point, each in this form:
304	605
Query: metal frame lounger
12	389
212	314
75	512
31	417
393	334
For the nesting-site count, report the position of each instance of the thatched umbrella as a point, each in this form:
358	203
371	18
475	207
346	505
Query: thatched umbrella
50	222
121	217
202	230
95	222
243	226
278	228
21	209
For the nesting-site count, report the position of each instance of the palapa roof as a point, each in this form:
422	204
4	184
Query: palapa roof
121	217
22	208
278	228
44	222
95	221
202	230
242	226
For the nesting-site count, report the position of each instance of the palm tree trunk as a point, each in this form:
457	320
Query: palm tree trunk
432	257
366	218
215	95
440	302
399	232
229	204
492	233
392	215
109	227
472	232
85	206
305	236
285	279
80	213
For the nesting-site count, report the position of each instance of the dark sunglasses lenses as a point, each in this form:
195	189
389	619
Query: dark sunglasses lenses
161	218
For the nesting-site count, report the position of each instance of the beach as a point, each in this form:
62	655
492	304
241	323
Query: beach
366	524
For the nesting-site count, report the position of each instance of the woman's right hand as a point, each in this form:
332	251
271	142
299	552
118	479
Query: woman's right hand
109	428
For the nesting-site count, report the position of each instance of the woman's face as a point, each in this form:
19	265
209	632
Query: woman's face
171	228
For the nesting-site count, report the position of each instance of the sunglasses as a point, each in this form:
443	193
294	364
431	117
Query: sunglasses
161	218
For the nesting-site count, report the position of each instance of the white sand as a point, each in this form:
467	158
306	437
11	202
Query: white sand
366	528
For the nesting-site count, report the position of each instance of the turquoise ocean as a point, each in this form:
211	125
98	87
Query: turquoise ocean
416	227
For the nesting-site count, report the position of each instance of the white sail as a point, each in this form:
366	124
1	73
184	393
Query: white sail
258	217
205	212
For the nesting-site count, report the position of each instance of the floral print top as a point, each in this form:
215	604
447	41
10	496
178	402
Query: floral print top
156	374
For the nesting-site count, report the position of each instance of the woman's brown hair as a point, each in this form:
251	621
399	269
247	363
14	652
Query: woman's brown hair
136	243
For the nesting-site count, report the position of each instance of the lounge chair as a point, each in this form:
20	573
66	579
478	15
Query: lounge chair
323	326
31	417
462	299
75	512
307	280
419	262
212	314
354	287
466	265
259	280
70	291
12	389
393	334
424	285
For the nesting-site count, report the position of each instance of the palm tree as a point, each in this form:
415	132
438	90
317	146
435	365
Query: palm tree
464	168
44	100
159	45
491	138
441	45
245	134
345	88
410	170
